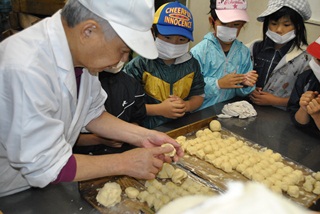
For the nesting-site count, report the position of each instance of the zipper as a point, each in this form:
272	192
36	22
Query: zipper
268	72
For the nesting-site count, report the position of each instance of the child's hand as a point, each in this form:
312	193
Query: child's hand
231	81
313	108
250	78
306	98
261	98
173	107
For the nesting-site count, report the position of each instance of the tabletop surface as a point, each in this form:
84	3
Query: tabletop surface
271	128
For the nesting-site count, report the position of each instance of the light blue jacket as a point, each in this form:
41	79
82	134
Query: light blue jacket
215	64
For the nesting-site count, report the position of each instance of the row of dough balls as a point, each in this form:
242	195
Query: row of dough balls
157	194
230	154
312	183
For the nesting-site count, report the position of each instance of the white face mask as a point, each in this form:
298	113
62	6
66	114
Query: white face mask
281	39
226	34
315	68
117	68
168	51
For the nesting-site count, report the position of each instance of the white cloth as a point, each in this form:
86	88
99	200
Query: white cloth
41	116
241	109
241	198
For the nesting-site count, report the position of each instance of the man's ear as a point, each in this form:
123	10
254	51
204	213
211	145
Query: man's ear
88	29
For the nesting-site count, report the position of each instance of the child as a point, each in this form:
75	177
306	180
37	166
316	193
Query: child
125	101
173	82
280	57
304	102
225	62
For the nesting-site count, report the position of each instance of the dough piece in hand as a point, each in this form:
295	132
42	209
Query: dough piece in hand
132	192
170	154
110	194
215	126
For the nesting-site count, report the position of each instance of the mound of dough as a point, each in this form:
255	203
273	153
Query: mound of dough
170	154
215	126
110	194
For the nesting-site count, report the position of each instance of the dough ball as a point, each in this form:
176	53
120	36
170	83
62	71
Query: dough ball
268	152
316	175
311	179
308	186
143	196
241	167
110	194
257	177
316	189
293	191
215	125
181	139
207	131
199	133
200	154
276	189
166	171
150	200
226	166
178	176
172	153
216	135
276	156
132	192
164	199
207	149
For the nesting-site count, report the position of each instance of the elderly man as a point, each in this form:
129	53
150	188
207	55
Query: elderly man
42	112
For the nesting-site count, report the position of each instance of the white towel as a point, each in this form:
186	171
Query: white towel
241	109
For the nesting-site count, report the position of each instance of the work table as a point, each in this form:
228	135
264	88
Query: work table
271	128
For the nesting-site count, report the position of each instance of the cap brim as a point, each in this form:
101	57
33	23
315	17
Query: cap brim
167	30
140	42
267	12
314	50
226	16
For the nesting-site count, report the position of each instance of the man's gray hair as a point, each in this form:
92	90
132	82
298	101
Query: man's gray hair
74	13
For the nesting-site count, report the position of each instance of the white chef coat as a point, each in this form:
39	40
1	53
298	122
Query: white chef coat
40	114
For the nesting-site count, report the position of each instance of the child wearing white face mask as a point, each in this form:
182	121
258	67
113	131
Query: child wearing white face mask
304	102
280	57
173	82
225	62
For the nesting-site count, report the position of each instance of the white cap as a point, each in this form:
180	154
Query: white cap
300	6
131	19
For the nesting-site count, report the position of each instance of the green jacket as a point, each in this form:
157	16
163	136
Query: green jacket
183	79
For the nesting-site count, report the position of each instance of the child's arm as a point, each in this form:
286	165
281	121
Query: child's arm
169	108
265	98
313	108
302	116
194	103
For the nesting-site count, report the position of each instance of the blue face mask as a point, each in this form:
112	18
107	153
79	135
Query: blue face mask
168	51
